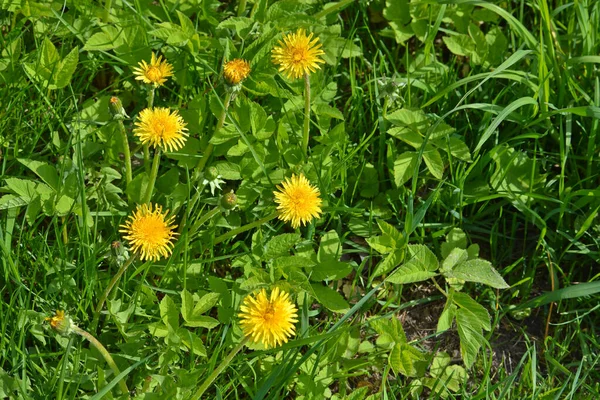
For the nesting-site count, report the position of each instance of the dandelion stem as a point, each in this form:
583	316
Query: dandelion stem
241	7
107	357
210	147
218	370
147	146
153	175
112	284
245	228
306	129
126	152
107	7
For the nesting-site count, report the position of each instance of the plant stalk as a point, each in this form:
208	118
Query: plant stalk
306	129
210	147
153	175
112	283
126	152
105	354
245	228
241	8
147	146
218	370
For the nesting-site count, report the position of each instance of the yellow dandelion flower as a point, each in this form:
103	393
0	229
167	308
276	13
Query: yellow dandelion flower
60	323
160	127
150	233
298	201
236	71
297	54
156	72
268	320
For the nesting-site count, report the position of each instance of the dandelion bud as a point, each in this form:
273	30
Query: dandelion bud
116	108
229	201
236	71
212	173
61	323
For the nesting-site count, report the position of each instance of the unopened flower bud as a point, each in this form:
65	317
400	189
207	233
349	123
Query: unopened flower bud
116	108
229	201
212	173
61	323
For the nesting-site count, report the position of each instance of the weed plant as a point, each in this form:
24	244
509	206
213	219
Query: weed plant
368	199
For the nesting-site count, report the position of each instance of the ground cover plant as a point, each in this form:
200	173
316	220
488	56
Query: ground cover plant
369	199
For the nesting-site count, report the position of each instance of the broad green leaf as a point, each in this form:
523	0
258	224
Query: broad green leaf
411	137
110	38
202	321
44	170
410	272
407	360
66	68
455	238
329	298
192	342
391	327
330	247
461	45
287	263
446	318
479	315
455	146
205	303
169	313
280	245
26	189
455	257
434	161
392	232
416	120
480	271
422	255
404	166
470	336
330	269
389	263
381	244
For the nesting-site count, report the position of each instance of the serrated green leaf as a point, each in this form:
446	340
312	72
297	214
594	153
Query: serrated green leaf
202	321
480	317
205	303
44	170
381	244
455	257
422	255
407	360
169	313
281	245
434	161
66	68
446	318
461	45
330	269
410	273
480	271
470	336
329	298
192	342
389	263
330	247
391	327
404	166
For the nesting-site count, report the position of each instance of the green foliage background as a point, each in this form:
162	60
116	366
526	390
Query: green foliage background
456	151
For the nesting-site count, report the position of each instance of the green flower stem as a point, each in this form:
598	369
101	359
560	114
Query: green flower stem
306	130
112	284
244	228
146	146
126	152
218	370
210	147
215	211
439	287
153	175
241	7
107	7
109	360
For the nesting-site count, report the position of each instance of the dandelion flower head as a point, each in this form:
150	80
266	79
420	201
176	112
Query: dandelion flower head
155	73
160	127
236	71
150	232
268	320
298	54
60	323
298	201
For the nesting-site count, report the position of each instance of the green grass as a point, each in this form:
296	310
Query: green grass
419	124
